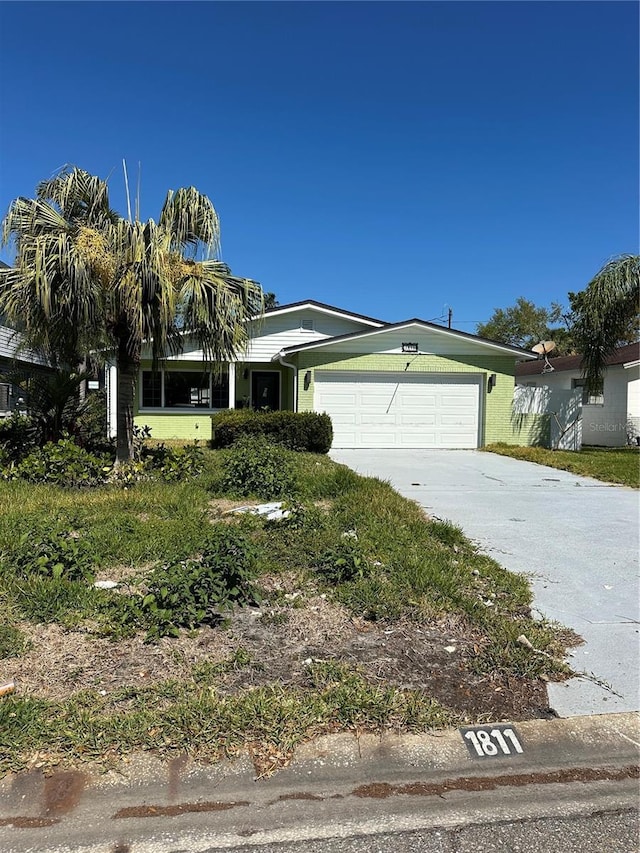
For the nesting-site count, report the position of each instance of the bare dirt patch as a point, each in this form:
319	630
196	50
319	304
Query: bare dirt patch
281	638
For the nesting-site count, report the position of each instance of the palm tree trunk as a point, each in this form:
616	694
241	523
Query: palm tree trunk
127	375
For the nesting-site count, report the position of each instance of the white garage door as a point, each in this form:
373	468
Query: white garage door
400	410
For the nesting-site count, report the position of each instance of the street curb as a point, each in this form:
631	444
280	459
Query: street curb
331	764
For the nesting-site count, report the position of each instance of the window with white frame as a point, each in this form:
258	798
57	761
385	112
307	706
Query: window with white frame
587	398
184	389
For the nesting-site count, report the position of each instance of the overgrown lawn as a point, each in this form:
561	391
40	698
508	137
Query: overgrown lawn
348	540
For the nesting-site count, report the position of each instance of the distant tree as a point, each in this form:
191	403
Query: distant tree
606	315
84	277
525	324
270	301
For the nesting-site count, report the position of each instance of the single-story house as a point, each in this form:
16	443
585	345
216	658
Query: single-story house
609	419
407	385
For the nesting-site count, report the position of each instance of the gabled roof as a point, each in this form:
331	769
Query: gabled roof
323	308
623	355
405	324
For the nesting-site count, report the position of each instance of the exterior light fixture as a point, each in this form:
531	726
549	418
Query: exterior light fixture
492	382
307	379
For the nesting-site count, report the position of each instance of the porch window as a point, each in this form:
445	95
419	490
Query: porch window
587	398
151	390
184	389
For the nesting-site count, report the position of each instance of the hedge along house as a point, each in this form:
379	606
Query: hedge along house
407	385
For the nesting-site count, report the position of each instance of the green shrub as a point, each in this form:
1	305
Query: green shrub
18	436
343	563
62	463
257	467
192	592
174	464
53	553
308	431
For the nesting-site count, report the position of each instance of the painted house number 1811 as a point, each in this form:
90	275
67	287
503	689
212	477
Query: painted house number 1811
494	742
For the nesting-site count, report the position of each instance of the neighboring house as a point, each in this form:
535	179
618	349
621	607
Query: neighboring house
609	419
410	385
14	357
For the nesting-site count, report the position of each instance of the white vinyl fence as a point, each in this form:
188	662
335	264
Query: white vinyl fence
563	408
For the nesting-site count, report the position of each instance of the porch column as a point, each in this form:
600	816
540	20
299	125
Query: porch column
111	381
232	384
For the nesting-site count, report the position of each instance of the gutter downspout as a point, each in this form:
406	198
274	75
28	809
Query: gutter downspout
293	367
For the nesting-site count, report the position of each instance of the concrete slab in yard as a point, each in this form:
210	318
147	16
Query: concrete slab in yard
578	538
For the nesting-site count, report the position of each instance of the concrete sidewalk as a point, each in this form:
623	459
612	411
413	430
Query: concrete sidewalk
339	786
576	537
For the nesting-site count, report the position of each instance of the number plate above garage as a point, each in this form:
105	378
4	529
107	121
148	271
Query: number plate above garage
499	741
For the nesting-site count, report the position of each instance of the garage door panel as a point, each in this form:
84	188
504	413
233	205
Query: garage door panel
344	418
408	419
336	399
415	411
380	402
458	420
377	420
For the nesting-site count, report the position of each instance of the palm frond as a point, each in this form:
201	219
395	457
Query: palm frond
79	195
216	307
191	221
603	311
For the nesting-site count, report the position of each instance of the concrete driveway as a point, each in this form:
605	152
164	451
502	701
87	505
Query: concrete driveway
576	537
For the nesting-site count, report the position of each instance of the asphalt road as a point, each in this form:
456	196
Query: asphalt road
602	832
576	537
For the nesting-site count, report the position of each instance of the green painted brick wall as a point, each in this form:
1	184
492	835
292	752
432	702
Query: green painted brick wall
497	422
177	425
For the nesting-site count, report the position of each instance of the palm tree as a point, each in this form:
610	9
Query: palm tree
86	278
606	314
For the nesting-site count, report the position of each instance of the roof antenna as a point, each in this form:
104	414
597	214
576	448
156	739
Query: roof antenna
126	184
542	349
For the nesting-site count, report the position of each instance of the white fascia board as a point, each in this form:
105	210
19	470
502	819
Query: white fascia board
629	364
311	306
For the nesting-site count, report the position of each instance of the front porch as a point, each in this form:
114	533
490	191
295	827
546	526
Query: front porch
176	400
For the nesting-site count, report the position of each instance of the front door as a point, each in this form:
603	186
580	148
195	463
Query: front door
265	389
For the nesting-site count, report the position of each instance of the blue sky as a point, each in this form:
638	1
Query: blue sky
394	159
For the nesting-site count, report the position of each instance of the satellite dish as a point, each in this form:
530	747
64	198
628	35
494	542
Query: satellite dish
543	347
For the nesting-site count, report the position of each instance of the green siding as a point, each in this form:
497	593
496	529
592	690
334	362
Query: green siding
496	407
179	425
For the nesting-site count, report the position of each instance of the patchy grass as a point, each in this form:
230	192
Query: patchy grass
371	615
172	716
613	465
